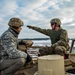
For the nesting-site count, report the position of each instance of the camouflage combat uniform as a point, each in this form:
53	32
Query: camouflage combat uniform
11	59
59	40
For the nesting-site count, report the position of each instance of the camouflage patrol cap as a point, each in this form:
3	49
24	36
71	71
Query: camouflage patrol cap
15	22
56	20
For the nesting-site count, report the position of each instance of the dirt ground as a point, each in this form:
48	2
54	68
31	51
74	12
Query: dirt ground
29	70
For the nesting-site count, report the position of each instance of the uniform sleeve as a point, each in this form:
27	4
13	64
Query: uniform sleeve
43	31
63	38
11	48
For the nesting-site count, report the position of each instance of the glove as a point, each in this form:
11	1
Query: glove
29	26
28	59
22	43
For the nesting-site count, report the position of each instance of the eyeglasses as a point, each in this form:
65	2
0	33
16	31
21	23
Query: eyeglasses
53	23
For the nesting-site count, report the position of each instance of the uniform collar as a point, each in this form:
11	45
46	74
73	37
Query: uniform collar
13	32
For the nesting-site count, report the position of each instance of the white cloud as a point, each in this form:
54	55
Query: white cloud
67	20
38	13
54	4
37	3
71	33
9	8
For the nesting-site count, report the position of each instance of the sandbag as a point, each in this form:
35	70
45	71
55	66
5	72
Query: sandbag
24	45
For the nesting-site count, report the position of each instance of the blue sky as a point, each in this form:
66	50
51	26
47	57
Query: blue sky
38	13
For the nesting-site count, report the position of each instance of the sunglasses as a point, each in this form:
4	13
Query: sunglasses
53	23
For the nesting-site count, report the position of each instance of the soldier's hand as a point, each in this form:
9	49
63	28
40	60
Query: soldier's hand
29	26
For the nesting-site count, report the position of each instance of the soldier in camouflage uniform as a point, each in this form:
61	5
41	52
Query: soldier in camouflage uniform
58	36
11	59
